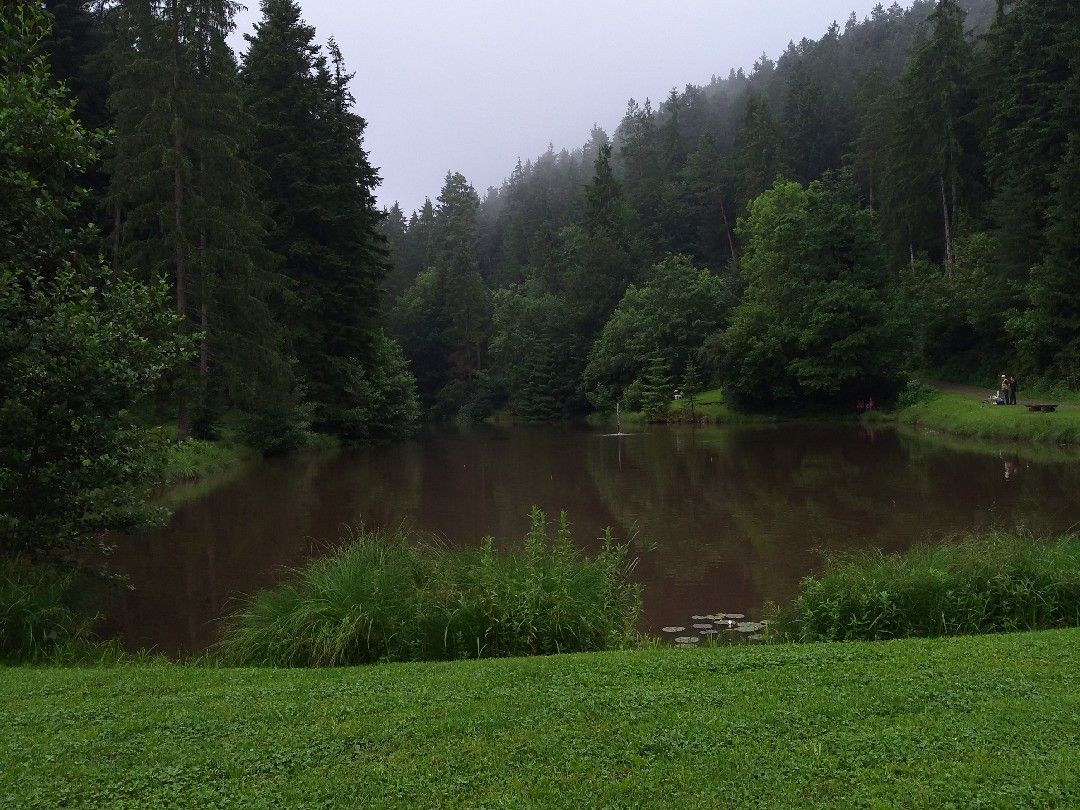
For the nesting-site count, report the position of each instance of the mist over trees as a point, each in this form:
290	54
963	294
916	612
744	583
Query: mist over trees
242	185
940	139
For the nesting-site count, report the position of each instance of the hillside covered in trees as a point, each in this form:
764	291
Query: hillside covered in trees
242	185
893	198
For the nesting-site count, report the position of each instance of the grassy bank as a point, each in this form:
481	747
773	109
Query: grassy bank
961	416
974	721
195	459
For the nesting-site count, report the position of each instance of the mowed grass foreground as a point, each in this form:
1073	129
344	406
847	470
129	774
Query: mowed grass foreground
970	721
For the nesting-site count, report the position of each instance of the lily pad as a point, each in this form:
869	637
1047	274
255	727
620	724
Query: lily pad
747	627
702	626
709	632
673	629
756	637
687	640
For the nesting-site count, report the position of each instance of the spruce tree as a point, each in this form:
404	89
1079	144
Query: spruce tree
319	187
183	197
656	389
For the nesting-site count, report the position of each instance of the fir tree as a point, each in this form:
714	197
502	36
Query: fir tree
319	186
183	197
656	389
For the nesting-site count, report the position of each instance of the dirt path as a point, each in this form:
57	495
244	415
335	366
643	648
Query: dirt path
981	393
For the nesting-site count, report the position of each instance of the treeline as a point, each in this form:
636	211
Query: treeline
242	184
897	196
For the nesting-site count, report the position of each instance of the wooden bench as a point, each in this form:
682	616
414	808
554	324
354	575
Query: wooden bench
1042	408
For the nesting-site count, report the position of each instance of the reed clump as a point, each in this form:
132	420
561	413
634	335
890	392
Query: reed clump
999	582
388	596
39	612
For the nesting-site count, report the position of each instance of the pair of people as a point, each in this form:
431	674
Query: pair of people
1007	392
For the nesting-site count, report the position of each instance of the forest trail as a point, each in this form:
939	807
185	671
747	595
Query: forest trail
982	392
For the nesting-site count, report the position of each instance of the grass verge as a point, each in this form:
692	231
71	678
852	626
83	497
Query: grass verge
973	721
390	597
981	584
961	416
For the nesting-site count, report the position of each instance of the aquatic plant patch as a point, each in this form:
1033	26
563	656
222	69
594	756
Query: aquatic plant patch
999	582
393	597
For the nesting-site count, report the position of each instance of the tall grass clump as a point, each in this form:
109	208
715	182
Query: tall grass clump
386	596
39	617
999	582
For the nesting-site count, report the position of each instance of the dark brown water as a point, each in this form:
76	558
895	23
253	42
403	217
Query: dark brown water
727	518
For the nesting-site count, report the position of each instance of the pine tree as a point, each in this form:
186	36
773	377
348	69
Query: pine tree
1049	332
692	383
930	151
759	149
183	197
656	389
319	185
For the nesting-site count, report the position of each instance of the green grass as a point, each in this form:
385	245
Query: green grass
39	614
958	415
386	596
987	721
194	459
986	584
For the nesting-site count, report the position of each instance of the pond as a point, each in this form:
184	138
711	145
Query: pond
727	518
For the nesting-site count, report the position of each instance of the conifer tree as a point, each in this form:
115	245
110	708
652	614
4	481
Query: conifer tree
656	390
319	186
183	197
931	146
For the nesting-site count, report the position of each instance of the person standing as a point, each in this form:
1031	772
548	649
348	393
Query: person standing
1012	390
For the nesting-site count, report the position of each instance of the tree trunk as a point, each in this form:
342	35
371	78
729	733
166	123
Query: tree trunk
183	411
948	229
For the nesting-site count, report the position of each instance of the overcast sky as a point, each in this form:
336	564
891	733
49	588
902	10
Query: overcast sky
470	85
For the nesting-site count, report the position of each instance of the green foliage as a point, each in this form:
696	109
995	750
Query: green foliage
915	393
676	309
814	327
381	396
388	597
81	346
183	198
531	354
39	613
656	388
997	583
318	186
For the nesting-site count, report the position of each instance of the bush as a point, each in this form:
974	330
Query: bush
997	583
38	614
914	393
385	597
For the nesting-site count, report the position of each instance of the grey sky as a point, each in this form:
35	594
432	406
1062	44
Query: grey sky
470	85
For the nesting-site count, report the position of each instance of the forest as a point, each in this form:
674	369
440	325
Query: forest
897	198
192	243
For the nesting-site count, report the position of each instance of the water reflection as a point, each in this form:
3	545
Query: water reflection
728	518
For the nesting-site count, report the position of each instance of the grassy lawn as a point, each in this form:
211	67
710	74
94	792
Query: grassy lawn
963	416
972	721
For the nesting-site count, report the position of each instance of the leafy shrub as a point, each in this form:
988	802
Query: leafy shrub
277	429
1000	582
915	392
386	597
38	614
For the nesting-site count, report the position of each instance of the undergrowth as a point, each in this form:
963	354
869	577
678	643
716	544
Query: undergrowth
388	596
979	584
